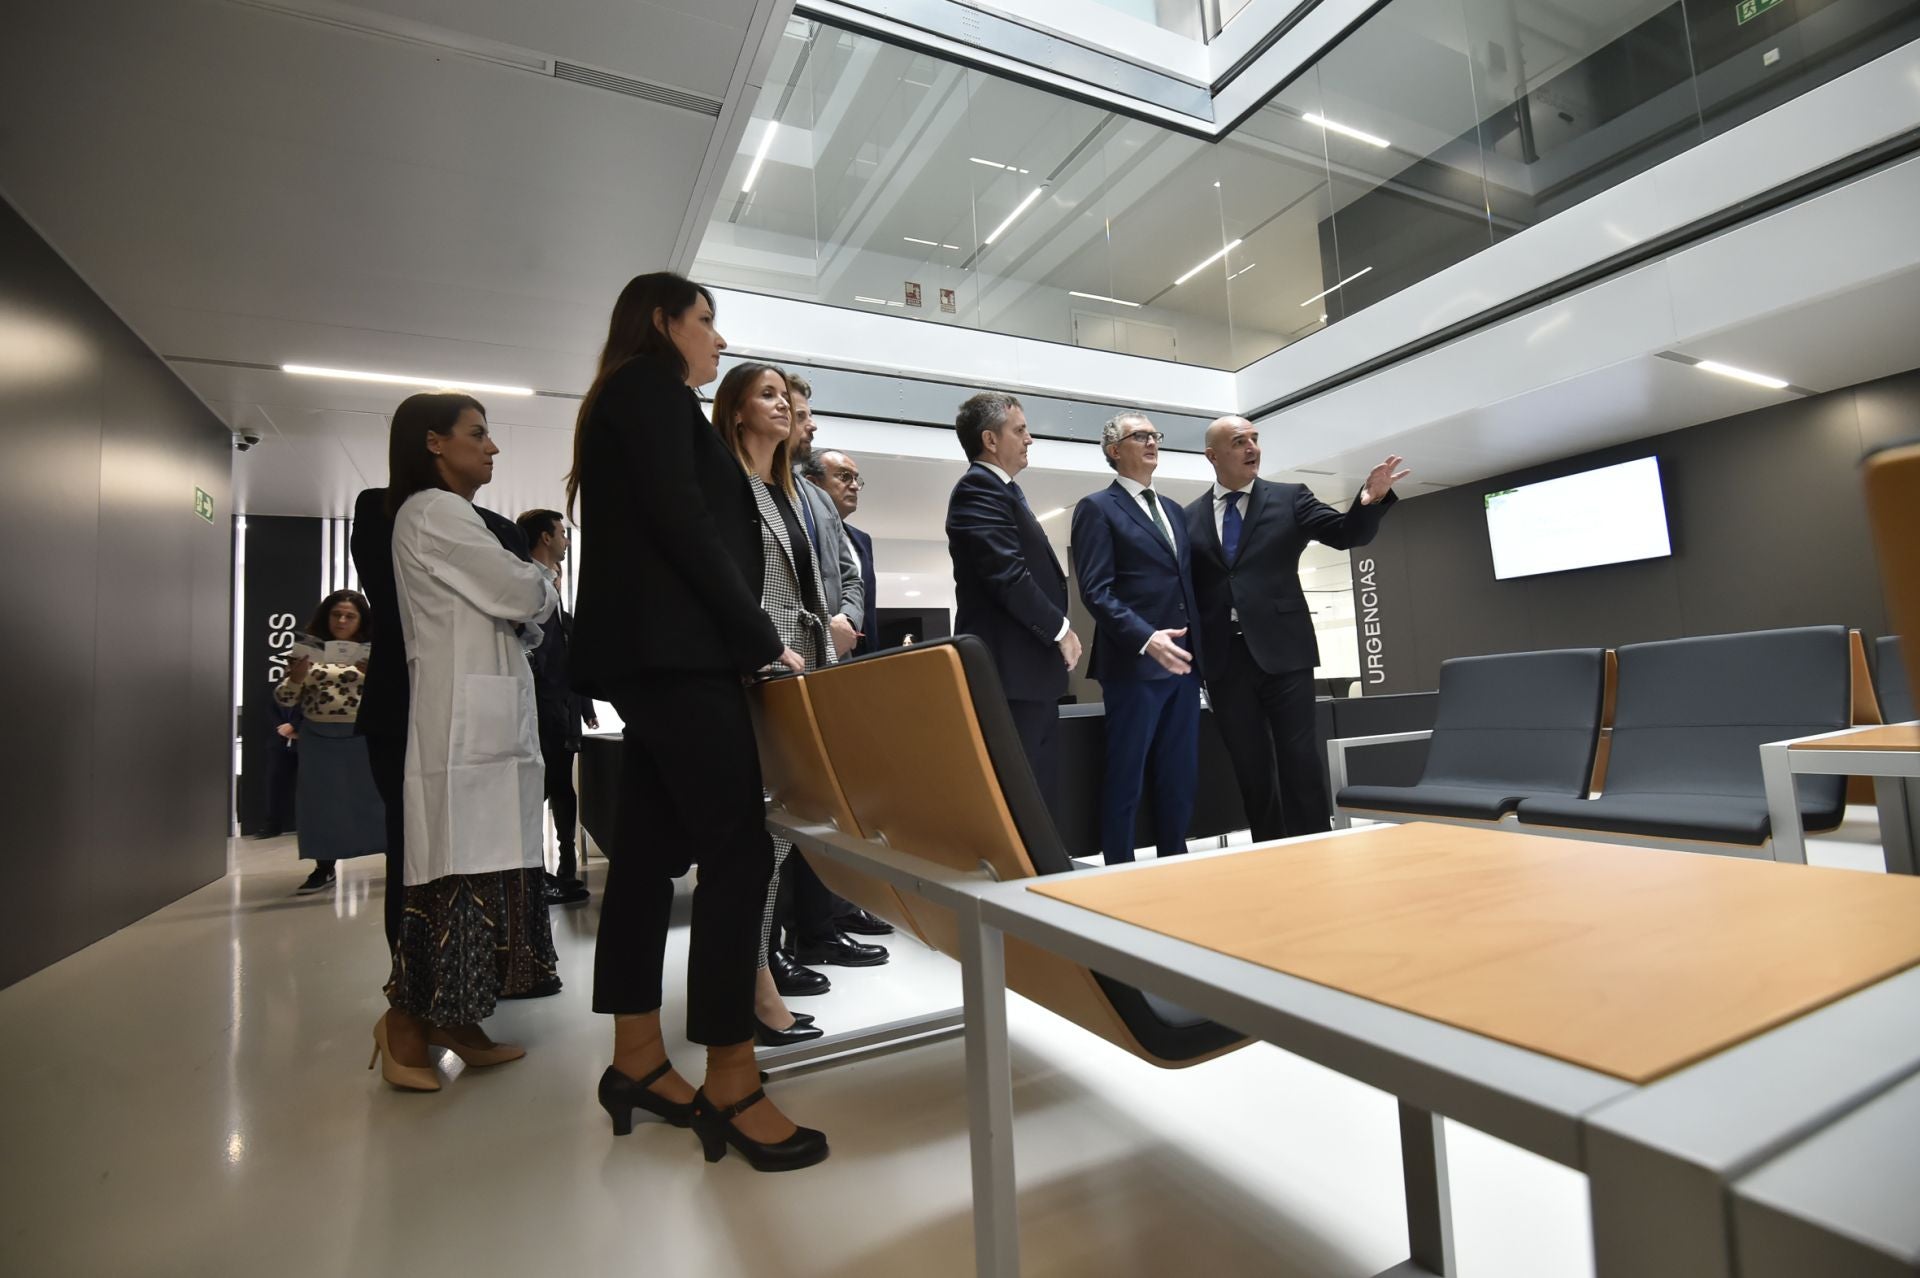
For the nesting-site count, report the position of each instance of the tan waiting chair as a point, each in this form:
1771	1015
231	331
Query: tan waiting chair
1893	508
926	758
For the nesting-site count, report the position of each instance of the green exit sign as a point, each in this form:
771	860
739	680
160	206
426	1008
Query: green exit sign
1747	10
203	504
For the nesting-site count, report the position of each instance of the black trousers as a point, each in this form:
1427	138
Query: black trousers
689	780
1038	723
557	760
808	908
1268	724
388	756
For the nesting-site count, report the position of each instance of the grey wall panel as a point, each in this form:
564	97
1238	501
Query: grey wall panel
1766	520
116	781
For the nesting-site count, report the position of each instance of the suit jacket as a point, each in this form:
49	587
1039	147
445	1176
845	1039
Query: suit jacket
795	604
870	588
839	572
673	580
1263	581
1008	587
1133	582
383	702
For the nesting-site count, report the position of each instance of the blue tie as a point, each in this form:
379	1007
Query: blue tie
1230	527
1017	494
806	515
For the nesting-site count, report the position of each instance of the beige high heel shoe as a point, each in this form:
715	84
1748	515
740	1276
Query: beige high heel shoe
475	1057
406	1078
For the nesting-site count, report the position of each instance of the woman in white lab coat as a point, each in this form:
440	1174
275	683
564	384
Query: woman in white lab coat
475	926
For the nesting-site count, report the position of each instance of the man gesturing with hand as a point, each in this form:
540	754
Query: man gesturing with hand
1132	557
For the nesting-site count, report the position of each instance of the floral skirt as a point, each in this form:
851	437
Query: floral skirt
466	940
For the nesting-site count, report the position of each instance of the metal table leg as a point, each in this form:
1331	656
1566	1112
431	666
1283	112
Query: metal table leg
1423	1168
983	981
1898	799
1776	773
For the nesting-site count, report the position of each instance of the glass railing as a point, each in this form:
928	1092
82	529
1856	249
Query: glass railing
884	179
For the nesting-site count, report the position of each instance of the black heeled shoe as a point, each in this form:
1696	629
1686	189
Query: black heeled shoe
765	1035
801	1018
716	1131
620	1096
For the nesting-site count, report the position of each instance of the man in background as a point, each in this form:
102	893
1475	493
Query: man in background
839	474
1259	647
1008	586
559	709
1132	555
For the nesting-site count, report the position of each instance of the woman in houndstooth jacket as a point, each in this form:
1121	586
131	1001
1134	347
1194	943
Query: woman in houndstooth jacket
752	414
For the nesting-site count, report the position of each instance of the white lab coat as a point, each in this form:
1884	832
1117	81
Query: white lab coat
473	780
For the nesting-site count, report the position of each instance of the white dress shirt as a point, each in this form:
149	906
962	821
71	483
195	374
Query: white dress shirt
1156	515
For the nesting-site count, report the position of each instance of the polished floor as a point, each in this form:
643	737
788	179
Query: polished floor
190	1097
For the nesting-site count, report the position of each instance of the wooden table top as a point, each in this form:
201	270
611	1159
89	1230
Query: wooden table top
1630	961
1892	736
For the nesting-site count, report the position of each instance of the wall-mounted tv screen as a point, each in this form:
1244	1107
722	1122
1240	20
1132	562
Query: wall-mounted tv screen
1605	516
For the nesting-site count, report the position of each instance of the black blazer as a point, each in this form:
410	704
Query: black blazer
1263	582
870	582
384	697
671	571
1008	587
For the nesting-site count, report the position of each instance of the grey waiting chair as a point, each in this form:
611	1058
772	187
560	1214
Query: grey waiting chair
1890	681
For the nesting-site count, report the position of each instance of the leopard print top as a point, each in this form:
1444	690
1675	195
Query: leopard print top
331	694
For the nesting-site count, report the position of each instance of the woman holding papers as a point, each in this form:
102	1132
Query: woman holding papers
340	814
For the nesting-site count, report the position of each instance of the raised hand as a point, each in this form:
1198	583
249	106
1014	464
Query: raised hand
1382	479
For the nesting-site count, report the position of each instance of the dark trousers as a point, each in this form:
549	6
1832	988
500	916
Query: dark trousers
1153	725
1038	723
1267	721
557	759
689	779
388	757
808	908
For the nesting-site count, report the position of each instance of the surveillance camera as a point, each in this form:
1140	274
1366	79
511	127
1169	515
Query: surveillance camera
245	439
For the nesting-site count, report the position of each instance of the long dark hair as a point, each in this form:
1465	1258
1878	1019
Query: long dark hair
726	419
411	468
631	335
318	626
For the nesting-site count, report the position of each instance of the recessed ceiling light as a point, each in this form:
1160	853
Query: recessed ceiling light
760	155
914	239
1101	297
877	301
403	379
1057	510
913	594
1740	374
1337	287
995	164
1204	265
1242	271
1020	208
1344	130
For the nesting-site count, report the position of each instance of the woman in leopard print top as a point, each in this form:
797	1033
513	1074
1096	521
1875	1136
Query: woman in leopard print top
338	812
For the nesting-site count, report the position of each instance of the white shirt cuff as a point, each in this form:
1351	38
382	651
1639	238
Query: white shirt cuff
1066	624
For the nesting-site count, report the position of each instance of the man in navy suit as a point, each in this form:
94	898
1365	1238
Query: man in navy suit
1132	556
1007	584
839	474
1260	649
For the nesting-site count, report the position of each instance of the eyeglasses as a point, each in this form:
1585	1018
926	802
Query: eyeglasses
1145	436
850	479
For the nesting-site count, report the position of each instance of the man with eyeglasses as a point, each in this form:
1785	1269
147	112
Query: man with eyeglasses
838	474
1132	555
1260	649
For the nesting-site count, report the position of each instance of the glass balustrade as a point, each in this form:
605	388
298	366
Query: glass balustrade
884	179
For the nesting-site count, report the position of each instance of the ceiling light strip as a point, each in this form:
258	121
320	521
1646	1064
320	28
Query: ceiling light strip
1337	287
1345	130
1204	265
1020	208
1101	297
759	156
1741	374
403	379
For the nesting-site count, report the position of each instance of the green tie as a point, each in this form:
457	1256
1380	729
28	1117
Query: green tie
1159	520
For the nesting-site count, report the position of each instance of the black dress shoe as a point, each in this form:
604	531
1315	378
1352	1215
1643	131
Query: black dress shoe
566	891
864	924
841	951
620	1096
766	1035
715	1128
792	980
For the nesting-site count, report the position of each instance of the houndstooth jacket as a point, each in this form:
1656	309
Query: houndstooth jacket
800	627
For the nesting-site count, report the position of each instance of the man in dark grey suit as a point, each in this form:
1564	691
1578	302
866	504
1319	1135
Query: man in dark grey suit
1257	640
839	568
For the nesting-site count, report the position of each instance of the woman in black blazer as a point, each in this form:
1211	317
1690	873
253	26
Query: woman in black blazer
667	622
